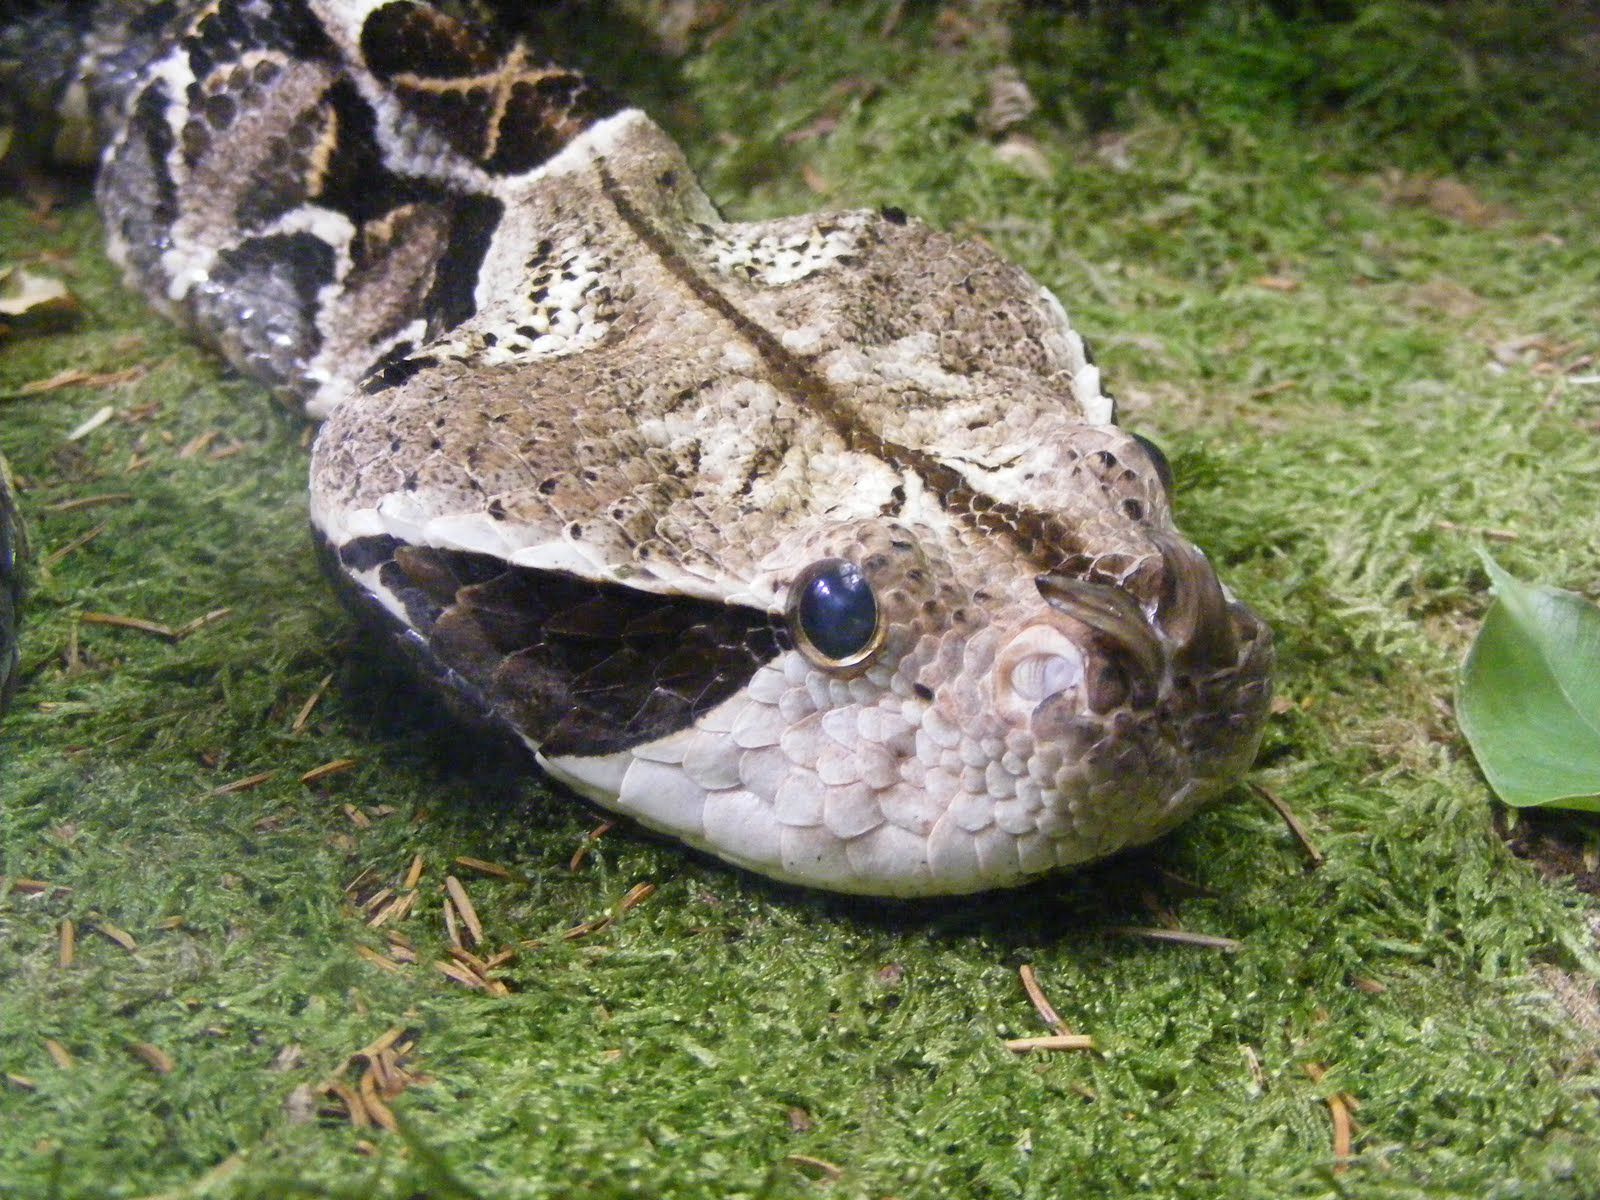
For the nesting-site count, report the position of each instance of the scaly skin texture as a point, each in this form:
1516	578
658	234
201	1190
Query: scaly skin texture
586	441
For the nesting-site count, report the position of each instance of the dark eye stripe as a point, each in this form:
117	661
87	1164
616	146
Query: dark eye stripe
575	666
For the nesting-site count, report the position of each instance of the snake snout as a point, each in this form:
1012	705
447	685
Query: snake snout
1187	621
1094	642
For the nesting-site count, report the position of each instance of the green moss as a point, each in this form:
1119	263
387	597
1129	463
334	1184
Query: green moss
1332	443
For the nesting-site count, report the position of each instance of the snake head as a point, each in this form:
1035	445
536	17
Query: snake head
811	542
902	704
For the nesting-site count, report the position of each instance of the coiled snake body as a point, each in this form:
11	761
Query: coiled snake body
811	542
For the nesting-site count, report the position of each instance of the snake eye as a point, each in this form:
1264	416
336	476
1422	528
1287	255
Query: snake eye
1163	467
834	614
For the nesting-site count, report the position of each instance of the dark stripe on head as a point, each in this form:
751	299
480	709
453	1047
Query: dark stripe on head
577	667
1043	538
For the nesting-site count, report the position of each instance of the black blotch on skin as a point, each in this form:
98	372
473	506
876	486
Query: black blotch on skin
460	114
280	184
150	212
450	301
302	260
394	368
538	114
356	183
543	115
404	36
235	27
364	554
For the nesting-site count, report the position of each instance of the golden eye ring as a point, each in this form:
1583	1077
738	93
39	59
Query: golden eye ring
834	615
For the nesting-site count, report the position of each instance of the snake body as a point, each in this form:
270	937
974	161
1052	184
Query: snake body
811	542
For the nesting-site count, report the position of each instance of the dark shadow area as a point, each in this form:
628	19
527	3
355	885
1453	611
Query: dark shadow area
1087	902
1561	846
391	707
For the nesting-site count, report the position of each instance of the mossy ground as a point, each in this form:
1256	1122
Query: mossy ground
1353	370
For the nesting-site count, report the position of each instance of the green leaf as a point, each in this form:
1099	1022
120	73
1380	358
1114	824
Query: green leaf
1529	695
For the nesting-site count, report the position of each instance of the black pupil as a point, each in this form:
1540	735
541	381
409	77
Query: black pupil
837	612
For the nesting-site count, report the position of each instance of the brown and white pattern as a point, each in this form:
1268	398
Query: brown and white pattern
589	448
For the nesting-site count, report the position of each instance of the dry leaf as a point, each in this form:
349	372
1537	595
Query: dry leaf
1009	103
34	301
1445	197
1023	155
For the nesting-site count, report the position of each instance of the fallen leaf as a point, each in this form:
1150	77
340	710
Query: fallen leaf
101	415
1010	102
1023	155
1528	696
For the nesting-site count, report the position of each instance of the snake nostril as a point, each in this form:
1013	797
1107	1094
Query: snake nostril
1037	665
1107	687
1040	676
1114	617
